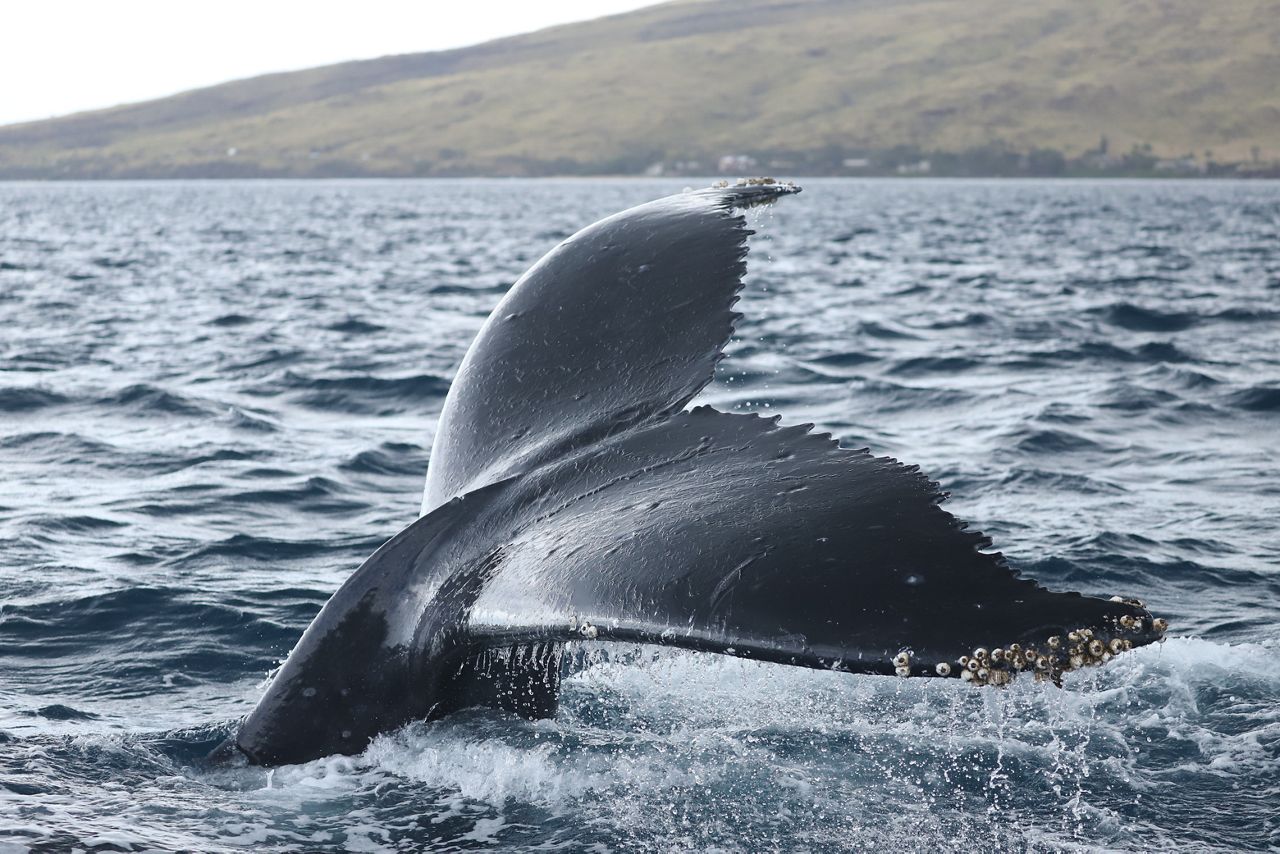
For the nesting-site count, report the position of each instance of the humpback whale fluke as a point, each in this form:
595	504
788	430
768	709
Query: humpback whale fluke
571	495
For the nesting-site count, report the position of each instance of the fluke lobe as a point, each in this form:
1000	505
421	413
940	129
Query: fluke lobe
571	496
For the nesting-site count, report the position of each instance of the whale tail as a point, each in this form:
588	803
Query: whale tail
570	496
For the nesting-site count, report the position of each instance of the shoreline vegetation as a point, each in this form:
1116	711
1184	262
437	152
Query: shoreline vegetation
995	161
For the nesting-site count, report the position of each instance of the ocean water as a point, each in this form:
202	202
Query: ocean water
217	398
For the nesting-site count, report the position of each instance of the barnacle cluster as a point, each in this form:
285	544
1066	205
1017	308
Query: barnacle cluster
583	628
1079	648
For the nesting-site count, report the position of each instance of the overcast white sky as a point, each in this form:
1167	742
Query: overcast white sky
62	56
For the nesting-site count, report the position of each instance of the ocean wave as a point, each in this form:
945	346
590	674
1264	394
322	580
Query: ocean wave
1060	481
242	419
393	458
1133	317
844	364
1101	351
1128	397
256	548
478	289
1247	315
1033	440
272	356
355	326
79	524
59	712
316	495
1162	351
884	331
893	396
1124	282
122	643
29	399
70	449
230	320
362	393
1259	398
150	400
933	365
965	321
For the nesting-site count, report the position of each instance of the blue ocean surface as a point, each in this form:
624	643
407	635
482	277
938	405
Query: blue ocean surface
216	399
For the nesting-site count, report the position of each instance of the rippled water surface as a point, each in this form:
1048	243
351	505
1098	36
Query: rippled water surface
217	398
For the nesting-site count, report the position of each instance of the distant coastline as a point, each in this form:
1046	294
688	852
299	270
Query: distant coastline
1051	89
897	162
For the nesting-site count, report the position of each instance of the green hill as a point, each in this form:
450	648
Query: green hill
801	85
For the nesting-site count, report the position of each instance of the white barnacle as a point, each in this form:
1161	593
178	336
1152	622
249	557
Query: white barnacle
1160	625
902	671
942	668
1077	661
589	631
1116	646
1096	648
902	659
1055	642
966	676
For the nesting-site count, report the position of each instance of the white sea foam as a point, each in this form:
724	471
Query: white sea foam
652	740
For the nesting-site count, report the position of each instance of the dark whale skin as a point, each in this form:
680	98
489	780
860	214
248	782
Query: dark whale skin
570	496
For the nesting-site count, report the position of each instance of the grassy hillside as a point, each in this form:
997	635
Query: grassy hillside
790	81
